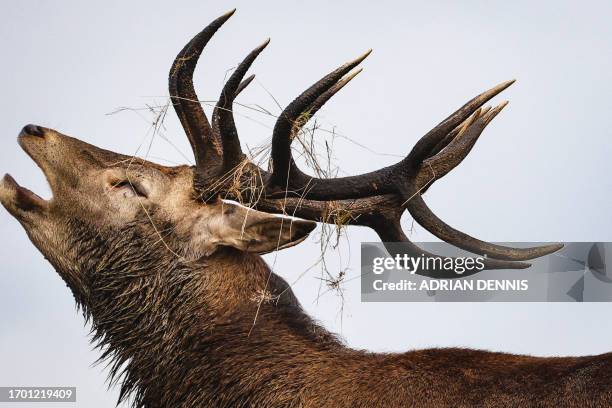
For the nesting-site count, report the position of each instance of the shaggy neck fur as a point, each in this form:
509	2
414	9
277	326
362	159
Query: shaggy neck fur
182	335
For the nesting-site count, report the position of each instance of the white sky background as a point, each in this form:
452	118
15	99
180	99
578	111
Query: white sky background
541	171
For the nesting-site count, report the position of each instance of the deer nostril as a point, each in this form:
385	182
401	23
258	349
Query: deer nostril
33	130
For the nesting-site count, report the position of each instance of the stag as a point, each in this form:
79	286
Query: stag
166	268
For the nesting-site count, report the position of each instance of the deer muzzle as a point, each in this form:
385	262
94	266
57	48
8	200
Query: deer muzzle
17	199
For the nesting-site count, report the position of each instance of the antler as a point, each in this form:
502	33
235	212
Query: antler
376	199
215	148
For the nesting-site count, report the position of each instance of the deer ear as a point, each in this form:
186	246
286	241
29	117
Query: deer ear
270	233
246	229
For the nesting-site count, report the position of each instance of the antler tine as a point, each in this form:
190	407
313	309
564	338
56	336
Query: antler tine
428	220
283	129
446	141
244	84
223	116
311	110
206	148
455	132
465	137
397	243
422	149
325	96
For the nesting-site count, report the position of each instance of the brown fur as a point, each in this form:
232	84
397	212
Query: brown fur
177	325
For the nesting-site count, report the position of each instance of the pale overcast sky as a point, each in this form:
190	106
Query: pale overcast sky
541	171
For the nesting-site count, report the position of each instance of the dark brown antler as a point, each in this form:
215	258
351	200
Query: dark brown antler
215	148
376	199
206	147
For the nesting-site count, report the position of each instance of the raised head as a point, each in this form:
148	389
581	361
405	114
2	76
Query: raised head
100	196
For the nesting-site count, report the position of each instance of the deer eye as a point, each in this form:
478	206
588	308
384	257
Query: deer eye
129	188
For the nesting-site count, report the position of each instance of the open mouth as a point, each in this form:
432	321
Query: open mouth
23	198
11	193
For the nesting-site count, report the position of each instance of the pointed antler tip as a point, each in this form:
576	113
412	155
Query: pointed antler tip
485	96
521	265
363	56
263	45
504	84
229	13
499	87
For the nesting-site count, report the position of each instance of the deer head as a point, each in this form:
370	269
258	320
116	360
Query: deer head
95	190
100	193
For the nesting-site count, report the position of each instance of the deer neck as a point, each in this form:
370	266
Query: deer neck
174	329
